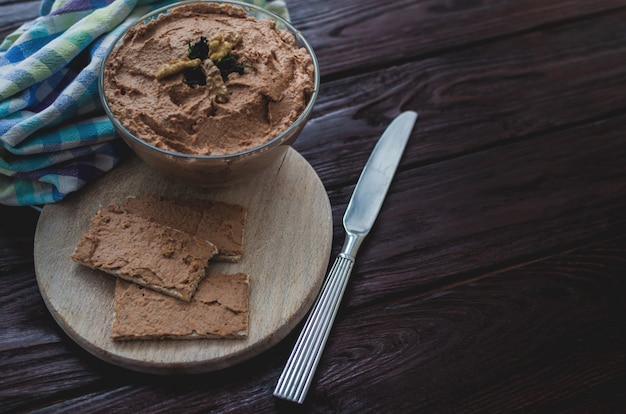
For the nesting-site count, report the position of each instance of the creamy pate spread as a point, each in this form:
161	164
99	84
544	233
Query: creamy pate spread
220	223
267	87
144	252
219	309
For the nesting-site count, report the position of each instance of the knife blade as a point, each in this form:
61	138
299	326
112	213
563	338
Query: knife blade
363	208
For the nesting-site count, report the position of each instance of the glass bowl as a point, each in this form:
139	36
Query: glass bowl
215	170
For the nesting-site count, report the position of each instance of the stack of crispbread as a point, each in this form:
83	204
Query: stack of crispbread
160	249
221	223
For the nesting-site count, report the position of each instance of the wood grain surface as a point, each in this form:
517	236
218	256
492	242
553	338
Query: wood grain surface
287	241
494	278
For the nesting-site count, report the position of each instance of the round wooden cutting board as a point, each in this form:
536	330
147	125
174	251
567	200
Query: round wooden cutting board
287	242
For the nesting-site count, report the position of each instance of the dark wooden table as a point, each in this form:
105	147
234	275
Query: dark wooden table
495	277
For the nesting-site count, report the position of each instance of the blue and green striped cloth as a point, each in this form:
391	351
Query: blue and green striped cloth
54	136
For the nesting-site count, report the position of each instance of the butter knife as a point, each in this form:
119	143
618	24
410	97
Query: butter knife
362	210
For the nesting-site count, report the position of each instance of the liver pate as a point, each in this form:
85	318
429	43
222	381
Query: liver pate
270	94
220	223
219	309
144	252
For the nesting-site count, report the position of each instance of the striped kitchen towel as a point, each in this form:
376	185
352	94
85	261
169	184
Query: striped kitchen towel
54	136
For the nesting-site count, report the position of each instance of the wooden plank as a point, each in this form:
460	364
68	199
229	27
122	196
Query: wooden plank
488	345
32	348
17	236
361	34
470	215
472	99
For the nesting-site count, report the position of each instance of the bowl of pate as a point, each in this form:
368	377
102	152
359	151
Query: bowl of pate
209	92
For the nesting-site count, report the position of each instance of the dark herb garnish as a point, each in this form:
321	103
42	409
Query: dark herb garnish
228	65
200	49
195	76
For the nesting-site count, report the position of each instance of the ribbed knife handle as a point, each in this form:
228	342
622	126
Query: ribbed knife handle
296	378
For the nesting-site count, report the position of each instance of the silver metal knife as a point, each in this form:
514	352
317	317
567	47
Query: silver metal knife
363	208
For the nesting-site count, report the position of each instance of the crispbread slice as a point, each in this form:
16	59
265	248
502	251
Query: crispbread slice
144	252
168	213
223	224
219	309
220	223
